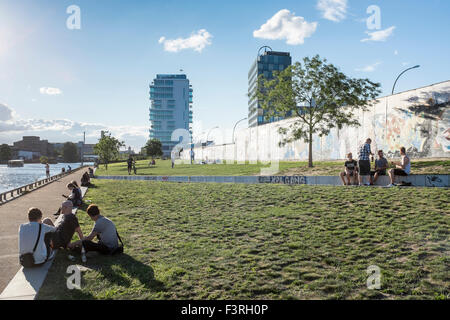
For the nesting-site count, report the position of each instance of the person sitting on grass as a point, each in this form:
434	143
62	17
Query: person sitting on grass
104	229
75	195
351	170
402	168
85	180
35	239
66	227
381	164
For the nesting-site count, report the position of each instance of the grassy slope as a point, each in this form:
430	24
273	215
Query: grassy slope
163	168
230	241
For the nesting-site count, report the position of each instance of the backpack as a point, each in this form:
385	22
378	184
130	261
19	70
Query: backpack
27	259
119	249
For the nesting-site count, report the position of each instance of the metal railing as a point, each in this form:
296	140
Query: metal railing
17	192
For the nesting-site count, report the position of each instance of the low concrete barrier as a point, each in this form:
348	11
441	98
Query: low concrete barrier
26	283
17	192
415	180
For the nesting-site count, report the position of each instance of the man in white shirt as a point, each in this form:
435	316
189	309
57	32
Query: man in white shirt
28	234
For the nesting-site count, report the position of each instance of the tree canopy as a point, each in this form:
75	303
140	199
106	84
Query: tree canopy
70	152
153	148
107	148
318	95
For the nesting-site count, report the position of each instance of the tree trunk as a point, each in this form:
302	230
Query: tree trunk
310	155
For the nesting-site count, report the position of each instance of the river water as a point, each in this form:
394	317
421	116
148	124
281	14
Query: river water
11	178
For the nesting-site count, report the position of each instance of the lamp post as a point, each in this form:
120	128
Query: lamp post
207	136
393	87
236	126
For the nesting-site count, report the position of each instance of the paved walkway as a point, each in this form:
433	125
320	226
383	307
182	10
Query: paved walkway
14	213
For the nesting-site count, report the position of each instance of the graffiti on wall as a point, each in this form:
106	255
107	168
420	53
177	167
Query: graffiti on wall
282	179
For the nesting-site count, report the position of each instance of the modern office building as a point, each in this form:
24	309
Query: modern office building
266	62
171	108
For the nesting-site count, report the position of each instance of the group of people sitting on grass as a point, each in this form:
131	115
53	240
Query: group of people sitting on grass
356	170
39	238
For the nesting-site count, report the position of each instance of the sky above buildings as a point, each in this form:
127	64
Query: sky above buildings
61	76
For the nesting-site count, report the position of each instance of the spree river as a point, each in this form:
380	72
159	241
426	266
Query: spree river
11	178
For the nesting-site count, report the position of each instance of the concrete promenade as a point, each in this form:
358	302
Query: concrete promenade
14	213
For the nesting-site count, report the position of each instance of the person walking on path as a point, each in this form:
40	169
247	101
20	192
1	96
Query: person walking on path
364	160
130	164
47	170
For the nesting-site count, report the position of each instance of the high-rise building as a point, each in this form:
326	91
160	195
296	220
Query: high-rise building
171	108
265	64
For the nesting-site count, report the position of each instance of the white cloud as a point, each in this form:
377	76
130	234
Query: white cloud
334	10
396	52
405	64
50	91
62	130
6	112
369	68
197	41
285	25
381	35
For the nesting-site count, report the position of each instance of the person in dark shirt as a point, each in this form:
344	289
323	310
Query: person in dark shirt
66	226
381	164
351	170
85	179
130	164
75	195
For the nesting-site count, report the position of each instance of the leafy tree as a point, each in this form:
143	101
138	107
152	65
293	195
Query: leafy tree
154	148
70	152
318	95
107	148
43	159
5	152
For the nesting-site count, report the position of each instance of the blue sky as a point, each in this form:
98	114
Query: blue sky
57	83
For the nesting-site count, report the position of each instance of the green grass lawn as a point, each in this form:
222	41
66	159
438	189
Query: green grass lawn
235	241
323	168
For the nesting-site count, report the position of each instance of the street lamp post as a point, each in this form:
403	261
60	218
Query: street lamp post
207	136
236	126
393	87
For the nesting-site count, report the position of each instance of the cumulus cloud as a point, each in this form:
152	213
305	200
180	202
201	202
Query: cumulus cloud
284	25
50	91
6	113
197	41
369	68
62	130
334	10
381	35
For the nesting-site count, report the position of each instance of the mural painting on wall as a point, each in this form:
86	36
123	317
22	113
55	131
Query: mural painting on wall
422	128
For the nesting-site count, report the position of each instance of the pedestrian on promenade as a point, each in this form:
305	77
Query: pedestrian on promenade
47	170
364	160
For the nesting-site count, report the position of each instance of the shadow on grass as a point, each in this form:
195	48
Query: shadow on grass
122	269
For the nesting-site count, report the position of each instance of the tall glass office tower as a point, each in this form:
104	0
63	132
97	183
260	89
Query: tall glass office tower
265	63
171	108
